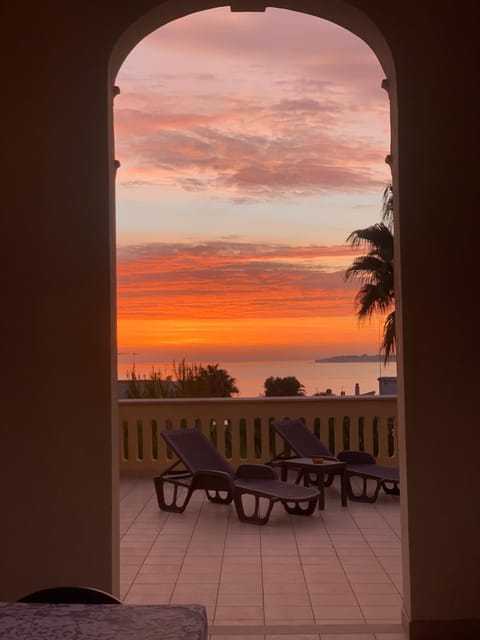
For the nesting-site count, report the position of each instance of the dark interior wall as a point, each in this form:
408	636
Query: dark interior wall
59	437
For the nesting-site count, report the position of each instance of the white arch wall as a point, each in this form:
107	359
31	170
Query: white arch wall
59	325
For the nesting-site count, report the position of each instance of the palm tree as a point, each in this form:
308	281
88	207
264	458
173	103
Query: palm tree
375	271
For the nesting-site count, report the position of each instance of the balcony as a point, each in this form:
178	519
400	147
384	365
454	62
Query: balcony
331	576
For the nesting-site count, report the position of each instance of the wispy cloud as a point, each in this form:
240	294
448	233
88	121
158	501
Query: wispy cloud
287	153
280	113
232	280
296	40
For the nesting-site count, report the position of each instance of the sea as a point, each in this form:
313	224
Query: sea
316	377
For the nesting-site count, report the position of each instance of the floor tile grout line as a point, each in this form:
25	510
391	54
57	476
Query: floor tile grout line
303	567
149	499
149	549
192	532
375	506
373	551
341	563
229	516
261	573
122	535
293	533
400	593
137	515
398	538
166	520
129	491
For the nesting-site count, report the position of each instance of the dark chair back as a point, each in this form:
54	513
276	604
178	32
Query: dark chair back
70	595
300	439
195	451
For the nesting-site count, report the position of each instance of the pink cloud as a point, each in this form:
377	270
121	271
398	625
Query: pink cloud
291	36
310	54
294	156
259	107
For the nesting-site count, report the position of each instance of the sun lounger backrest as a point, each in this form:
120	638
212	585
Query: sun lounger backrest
300	439
195	451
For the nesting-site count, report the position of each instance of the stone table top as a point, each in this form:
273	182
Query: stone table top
22	621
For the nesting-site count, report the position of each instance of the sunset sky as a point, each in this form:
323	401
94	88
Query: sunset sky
251	145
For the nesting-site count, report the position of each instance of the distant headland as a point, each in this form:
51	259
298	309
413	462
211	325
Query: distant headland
362	358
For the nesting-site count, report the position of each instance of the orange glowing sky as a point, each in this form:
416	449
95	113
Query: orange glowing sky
251	145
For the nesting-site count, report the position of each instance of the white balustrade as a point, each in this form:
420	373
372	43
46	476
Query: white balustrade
240	427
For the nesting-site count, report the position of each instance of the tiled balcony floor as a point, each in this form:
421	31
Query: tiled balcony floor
331	576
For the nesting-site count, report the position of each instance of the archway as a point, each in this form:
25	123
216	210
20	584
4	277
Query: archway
154	20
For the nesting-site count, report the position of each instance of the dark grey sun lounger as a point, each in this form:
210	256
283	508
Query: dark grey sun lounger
304	444
300	440
363	465
207	469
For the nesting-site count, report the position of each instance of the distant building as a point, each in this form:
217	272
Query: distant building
387	385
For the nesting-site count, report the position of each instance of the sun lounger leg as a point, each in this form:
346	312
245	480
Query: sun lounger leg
255	517
298	510
175	505
363	496
217	498
394	490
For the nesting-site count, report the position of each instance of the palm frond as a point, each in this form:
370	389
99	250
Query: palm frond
369	267
389	336
372	299
376	236
375	270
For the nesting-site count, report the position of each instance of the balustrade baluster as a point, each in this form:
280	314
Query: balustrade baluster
382	457
354	432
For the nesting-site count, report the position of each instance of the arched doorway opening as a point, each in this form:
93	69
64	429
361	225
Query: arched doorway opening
366	29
